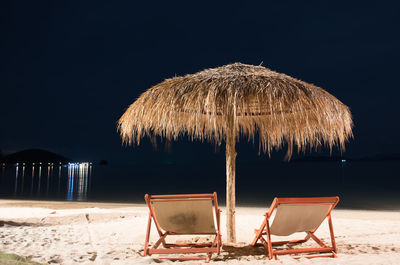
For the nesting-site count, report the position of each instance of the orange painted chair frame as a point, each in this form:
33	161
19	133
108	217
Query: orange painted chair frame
182	248
268	244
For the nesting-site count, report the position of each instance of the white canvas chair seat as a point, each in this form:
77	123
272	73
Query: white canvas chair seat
292	218
185	217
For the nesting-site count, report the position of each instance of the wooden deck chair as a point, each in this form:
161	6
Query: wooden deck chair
190	214
297	215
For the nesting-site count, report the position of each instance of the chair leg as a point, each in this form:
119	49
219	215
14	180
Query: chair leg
208	257
332	234
269	241
220	243
217	243
146	243
266	243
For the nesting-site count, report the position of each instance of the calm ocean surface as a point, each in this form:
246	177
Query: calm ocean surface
359	184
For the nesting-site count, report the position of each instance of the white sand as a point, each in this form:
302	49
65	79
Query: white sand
116	236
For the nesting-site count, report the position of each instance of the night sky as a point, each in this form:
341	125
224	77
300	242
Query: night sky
69	69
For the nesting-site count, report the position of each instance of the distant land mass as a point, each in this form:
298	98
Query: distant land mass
34	156
377	157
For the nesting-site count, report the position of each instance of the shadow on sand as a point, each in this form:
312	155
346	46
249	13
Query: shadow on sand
12	223
237	252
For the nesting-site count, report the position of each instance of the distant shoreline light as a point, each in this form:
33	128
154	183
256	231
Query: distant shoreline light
82	164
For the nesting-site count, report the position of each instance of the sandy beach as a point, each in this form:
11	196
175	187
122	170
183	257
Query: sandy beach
111	233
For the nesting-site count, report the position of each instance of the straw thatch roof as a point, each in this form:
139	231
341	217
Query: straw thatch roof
274	106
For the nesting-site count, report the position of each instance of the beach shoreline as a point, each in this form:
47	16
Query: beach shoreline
65	204
113	233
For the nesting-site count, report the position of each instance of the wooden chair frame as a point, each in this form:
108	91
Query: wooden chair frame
182	248
268	244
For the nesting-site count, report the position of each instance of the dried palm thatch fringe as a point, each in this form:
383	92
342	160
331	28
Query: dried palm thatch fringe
274	106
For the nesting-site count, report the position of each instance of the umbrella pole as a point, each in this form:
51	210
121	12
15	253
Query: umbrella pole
230	185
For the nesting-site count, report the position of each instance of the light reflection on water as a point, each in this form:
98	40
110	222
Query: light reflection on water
16	178
59	179
70	182
23	178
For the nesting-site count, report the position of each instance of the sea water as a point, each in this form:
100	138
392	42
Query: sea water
371	184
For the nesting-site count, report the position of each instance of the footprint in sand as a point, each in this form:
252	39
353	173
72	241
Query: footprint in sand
55	259
93	257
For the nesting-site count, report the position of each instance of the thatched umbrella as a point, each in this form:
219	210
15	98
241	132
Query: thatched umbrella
220	104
